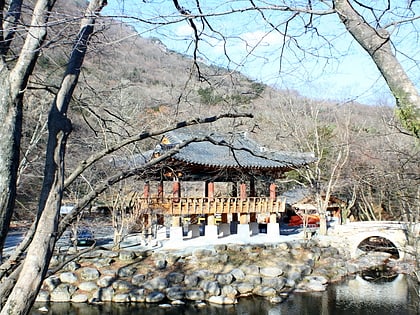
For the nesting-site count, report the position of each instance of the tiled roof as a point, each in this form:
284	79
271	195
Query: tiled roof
229	151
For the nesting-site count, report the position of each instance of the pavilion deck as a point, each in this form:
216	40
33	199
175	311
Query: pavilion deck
183	206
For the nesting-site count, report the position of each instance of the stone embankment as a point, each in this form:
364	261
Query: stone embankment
220	274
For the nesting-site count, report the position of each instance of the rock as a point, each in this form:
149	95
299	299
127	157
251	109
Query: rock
79	298
175	293
271	272
251	270
221	300
178	302
172	259
194	295
108	253
238	274
160	264
276	283
88	286
352	268
314	278
312	284
104	294
72	266
175	277
191	281
43	309
223	279
158	283
43	296
330	252
229	291
264	291
55	261
103	262
62	293
122	285
305	270
165	305
138	295
200	304
294	276
127	271
105	281
234	247
121	298
245	287
68	277
205	274
155	297
283	246
276	299
255	280
296	253
202	253
52	282
220	247
223	258
211	287
127	255
88	274
138	279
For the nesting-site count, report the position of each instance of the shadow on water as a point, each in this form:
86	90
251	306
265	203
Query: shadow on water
386	295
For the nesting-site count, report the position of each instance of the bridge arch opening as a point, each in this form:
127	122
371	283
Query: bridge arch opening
379	244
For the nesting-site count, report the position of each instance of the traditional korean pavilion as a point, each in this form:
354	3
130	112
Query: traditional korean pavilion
211	158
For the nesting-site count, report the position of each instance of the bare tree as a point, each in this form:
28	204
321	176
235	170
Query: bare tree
35	265
376	41
318	128
13	81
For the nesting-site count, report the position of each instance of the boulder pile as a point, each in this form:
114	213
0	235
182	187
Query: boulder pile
220	274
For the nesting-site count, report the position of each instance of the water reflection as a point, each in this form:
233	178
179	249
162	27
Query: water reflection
354	296
359	290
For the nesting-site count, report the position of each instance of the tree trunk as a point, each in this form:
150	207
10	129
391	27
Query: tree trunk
377	43
40	251
13	83
10	131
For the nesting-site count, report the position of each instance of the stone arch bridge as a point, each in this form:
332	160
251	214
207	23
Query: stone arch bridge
352	235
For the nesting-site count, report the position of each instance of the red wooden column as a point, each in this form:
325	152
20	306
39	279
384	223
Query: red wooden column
176	190
242	191
273	195
209	193
243	217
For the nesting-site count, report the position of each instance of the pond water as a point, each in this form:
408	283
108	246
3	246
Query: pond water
396	295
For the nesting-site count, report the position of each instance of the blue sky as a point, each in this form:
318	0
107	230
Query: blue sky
335	68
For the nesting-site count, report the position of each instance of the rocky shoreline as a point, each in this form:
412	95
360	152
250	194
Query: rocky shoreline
219	274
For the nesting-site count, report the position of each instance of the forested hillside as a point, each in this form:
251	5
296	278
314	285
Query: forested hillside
131	84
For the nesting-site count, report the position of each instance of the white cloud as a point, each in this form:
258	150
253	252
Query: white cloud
184	30
262	38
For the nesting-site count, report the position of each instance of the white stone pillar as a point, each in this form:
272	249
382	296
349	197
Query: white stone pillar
211	232
176	233
243	232
273	228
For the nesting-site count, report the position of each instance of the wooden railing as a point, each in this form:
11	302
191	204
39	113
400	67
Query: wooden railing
188	206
